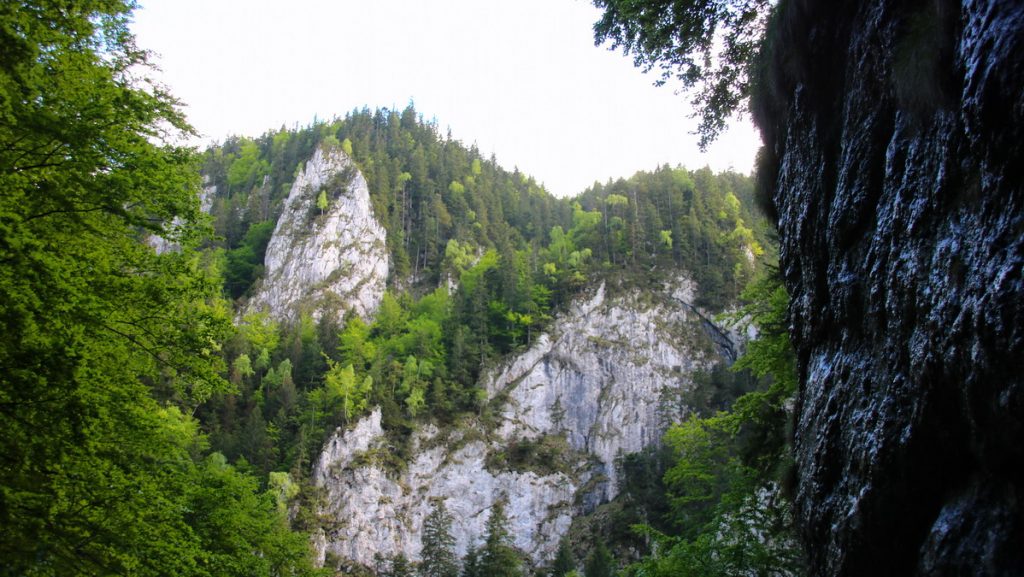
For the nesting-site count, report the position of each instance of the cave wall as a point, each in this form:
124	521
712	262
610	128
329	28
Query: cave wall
894	154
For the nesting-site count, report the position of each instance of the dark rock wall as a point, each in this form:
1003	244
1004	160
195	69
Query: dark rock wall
894	157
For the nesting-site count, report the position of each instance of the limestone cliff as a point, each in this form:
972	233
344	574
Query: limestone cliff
325	259
894	133
605	380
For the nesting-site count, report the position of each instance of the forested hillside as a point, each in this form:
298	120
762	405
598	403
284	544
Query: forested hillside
616	383
153	423
483	257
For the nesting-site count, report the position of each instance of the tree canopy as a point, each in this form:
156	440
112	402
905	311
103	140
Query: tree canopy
707	46
108	346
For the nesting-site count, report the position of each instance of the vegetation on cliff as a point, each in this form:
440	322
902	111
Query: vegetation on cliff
146	433
484	258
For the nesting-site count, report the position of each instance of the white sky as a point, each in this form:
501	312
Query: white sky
522	79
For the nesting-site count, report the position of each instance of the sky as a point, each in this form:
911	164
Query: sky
520	79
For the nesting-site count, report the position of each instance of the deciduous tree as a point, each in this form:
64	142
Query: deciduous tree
98	477
706	45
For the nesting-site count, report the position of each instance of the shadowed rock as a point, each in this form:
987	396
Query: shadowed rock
894	161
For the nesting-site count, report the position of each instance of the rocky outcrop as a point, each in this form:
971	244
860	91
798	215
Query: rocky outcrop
606	380
894	133
608	376
325	259
376	511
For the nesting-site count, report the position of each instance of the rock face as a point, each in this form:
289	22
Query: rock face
609	377
606	380
325	260
894	135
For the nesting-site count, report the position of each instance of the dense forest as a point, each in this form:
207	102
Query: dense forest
512	252
471	286
150	427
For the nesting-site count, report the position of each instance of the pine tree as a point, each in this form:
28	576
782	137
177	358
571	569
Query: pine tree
399	566
600	563
564	561
498	558
438	556
471	563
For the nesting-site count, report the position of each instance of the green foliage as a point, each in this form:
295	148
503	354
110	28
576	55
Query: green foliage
671	219
241	368
242	531
600	562
343	393
244	264
437	558
471	563
261	336
666	239
425	189
512	253
705	45
108	346
771	353
706	467
321	201
718	389
727	466
546	455
498	558
247	167
764	435
508	252
564	562
283	488
395	566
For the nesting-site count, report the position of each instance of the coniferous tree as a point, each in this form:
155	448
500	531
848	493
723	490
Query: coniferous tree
438	555
471	563
498	557
600	563
564	561
398	566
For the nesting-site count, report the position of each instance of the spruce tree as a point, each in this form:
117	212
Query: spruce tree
600	563
438	556
564	561
498	558
471	563
399	566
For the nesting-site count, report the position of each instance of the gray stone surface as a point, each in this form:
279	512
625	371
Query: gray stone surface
607	376
325	261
